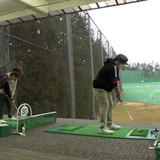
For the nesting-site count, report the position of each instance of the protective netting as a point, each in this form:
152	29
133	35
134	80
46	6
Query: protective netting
59	57
136	76
141	86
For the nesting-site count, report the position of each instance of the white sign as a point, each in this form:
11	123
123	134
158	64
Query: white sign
24	110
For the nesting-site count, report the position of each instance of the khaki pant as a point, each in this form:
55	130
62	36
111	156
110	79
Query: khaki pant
105	104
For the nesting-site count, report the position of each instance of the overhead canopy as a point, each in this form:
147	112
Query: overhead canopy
17	11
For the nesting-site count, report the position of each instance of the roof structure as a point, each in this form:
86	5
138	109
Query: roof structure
17	11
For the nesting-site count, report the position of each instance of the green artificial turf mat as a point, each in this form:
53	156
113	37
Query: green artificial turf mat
63	129
135	132
93	130
71	127
89	130
34	121
10	122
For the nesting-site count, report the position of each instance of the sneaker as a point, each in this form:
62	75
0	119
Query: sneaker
2	121
105	130
12	118
113	126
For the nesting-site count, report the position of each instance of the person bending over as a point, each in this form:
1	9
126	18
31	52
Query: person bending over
5	91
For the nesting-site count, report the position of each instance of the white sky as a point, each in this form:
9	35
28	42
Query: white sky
132	29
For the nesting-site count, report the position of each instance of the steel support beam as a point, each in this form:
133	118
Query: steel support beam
71	65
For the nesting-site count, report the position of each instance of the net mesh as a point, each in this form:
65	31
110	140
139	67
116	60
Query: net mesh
141	87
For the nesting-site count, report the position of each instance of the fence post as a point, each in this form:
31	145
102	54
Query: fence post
92	65
4	48
101	48
2	52
71	65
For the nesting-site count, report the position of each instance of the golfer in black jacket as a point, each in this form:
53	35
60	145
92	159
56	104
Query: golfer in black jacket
107	80
5	90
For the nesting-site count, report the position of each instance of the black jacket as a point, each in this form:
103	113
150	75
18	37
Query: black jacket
108	76
5	85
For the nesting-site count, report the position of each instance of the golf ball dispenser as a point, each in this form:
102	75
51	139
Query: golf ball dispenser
156	133
150	134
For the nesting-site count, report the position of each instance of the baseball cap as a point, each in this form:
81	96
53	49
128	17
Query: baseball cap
123	59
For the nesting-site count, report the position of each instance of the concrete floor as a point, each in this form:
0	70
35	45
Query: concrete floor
39	145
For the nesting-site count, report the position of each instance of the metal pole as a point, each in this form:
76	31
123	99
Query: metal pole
71	65
0	48
92	65
2	53
101	48
4	48
109	51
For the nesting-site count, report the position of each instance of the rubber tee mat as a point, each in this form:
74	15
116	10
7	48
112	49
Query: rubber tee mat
93	130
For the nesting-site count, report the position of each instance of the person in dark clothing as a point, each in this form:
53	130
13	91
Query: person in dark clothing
12	85
107	80
5	90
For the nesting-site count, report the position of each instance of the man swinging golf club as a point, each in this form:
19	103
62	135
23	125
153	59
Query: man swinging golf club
107	80
5	90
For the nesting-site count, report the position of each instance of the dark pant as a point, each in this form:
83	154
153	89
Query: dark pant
8	103
2	102
4	99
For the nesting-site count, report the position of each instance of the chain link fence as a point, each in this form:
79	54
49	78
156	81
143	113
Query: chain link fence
59	57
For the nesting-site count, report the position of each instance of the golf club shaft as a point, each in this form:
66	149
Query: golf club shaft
16	109
128	114
18	112
15	106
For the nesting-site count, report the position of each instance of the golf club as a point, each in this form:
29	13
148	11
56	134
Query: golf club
18	112
139	130
15	106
